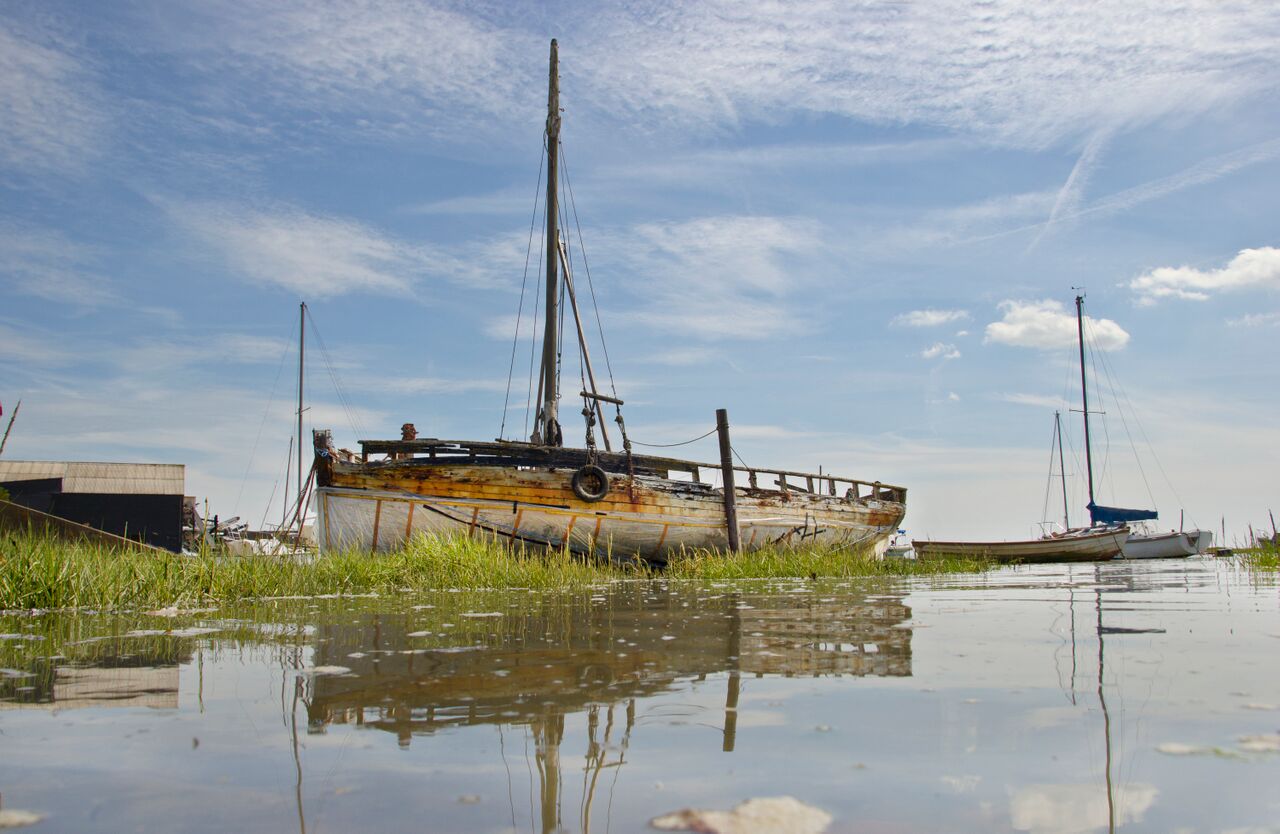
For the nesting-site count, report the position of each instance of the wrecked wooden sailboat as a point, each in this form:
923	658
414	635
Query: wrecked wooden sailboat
591	501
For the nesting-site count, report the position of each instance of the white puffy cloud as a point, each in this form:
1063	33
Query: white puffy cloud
940	350
929	318
1046	325
1248	269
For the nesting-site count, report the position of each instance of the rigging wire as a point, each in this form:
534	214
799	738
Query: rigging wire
537	303
1120	392
1112	385
673	445
1048	487
253	452
515	340
349	410
586	266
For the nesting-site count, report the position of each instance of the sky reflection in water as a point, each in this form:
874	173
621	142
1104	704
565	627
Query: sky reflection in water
965	704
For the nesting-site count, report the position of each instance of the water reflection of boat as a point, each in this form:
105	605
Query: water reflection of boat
535	668
573	658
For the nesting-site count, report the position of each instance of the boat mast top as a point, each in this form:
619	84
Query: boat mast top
1084	396
546	428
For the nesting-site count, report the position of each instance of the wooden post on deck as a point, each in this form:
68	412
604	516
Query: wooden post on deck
726	467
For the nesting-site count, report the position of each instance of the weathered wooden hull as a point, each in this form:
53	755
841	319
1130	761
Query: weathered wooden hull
1092	547
380	506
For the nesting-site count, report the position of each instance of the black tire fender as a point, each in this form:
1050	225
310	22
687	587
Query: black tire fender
590	483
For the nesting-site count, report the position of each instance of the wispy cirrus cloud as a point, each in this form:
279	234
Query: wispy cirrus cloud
50	112
1256	320
1250	268
305	253
45	263
368	66
1046	325
976	71
714	278
323	256
1037	400
1109	65
929	318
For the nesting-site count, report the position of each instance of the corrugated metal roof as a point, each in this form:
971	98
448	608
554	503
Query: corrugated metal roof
101	478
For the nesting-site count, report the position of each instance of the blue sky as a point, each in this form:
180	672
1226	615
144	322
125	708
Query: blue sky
855	225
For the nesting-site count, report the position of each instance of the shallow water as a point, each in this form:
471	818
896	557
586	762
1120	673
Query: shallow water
1126	696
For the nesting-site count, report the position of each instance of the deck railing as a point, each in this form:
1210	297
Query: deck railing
526	454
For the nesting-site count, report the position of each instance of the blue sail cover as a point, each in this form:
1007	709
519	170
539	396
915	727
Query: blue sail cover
1118	515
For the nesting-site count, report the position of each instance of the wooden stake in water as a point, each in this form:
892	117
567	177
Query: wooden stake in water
726	468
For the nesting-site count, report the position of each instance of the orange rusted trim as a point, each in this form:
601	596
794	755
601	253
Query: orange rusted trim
663	537
408	524
754	532
475	515
568	530
377	519
595	535
515	528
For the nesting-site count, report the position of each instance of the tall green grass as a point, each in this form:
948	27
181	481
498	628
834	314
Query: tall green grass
781	562
1263	557
41	572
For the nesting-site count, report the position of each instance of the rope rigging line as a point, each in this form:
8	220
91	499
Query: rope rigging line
343	399
524	279
1124	423
1048	487
1145	439
586	266
533	342
673	445
253	452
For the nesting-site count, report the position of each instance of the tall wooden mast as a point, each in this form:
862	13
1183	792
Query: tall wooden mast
302	353
547	428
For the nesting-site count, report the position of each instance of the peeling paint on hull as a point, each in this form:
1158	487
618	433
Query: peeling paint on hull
380	507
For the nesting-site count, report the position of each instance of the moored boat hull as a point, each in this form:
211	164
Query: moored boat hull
1089	547
1172	545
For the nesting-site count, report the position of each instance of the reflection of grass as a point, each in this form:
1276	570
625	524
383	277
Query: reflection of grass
38	572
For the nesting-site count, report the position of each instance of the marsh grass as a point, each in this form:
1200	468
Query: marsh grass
812	562
41	572
1263	557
